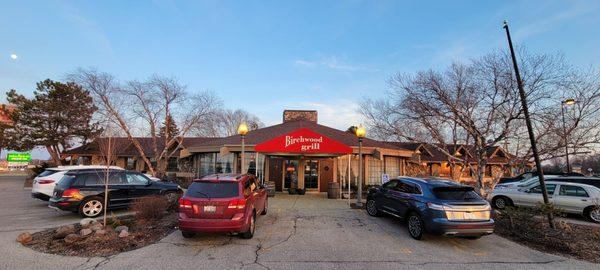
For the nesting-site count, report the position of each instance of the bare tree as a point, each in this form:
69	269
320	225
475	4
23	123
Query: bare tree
475	103
225	122
142	105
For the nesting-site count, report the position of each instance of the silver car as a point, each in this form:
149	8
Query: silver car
570	197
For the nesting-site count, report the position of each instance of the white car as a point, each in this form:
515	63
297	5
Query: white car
573	198
43	184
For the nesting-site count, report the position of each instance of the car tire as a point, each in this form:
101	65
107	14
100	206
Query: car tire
474	237
501	202
592	213
371	208
252	226
91	207
264	211
416	226
187	234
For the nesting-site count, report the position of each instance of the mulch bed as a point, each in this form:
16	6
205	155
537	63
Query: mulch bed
141	234
574	240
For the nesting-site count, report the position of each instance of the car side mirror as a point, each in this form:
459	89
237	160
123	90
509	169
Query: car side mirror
527	191
149	182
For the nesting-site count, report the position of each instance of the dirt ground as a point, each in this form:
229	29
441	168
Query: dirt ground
108	244
574	240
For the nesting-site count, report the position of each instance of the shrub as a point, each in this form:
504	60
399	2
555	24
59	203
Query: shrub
150	208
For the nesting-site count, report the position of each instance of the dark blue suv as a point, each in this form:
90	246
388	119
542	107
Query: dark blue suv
435	206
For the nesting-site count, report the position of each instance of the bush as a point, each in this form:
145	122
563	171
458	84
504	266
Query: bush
150	208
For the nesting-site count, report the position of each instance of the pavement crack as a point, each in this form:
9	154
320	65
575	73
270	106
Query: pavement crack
292	233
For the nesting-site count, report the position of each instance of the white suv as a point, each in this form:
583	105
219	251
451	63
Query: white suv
43	184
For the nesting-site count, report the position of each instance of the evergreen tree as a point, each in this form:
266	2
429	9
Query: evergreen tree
168	128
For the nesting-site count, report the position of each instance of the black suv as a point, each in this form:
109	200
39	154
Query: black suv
83	191
436	206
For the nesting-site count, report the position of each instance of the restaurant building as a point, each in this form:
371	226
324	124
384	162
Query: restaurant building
301	153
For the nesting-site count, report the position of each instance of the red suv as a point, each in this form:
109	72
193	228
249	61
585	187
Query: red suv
222	203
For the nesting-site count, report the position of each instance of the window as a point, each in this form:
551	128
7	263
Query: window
91	179
408	188
392	166
456	193
136	179
538	189
47	173
200	189
117	179
391	184
130	163
375	170
574	191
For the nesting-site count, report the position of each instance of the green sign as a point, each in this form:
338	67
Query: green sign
18	157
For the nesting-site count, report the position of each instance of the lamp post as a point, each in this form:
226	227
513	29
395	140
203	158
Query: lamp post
566	102
243	130
360	134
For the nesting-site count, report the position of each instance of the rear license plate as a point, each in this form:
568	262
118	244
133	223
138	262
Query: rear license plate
469	215
210	208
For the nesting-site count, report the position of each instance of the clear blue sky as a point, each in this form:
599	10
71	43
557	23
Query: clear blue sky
265	56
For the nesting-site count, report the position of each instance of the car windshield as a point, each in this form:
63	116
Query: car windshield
47	173
455	193
207	189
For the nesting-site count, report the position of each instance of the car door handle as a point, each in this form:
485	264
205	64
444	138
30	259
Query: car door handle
583	200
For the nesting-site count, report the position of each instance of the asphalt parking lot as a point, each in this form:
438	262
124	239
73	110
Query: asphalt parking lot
299	232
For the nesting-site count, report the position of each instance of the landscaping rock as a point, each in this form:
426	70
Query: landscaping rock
87	222
100	232
63	231
85	232
24	238
71	238
123	233
119	229
96	227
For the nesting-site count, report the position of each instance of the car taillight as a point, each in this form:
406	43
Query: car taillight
72	193
185	203
237	204
45	181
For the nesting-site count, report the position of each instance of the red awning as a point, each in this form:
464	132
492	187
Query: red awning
303	141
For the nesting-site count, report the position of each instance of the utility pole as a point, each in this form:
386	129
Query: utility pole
534	149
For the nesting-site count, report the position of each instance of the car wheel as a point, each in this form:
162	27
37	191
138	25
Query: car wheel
372	208
416	226
91	207
187	234
593	214
501	202
250	232
264	211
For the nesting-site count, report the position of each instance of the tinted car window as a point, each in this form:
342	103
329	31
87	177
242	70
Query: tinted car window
47	173
538	189
572	191
91	179
409	188
65	181
207	189
136	179
391	184
455	193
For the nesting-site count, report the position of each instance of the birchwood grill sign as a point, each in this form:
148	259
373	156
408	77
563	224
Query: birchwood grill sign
302	141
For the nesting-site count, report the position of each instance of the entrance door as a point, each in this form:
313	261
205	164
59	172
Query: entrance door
291	174
275	175
311	174
325	173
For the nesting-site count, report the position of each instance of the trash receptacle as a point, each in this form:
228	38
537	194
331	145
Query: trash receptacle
333	191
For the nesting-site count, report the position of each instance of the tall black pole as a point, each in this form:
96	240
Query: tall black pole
562	111
534	149
360	174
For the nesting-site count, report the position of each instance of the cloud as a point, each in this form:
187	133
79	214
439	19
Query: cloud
332	63
339	114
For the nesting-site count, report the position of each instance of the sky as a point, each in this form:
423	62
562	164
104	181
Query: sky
267	56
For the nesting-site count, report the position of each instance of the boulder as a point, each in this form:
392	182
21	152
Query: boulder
63	231
96	227
121	228
85	232
123	233
71	238
87	222
24	238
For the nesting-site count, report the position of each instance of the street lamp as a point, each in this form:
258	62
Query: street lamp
360	132
243	130
566	102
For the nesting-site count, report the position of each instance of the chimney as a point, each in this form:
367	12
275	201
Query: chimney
300	115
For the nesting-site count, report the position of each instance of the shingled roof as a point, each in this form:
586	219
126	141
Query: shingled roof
264	134
124	146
